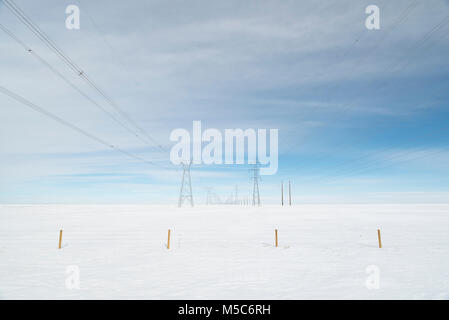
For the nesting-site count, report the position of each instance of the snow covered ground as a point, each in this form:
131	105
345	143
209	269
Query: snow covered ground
225	252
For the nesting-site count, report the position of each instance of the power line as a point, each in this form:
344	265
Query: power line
371	165
401	18
344	164
65	123
111	50
424	155
422	40
72	65
186	186
417	45
71	84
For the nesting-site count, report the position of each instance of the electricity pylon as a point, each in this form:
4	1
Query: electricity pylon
256	178
183	193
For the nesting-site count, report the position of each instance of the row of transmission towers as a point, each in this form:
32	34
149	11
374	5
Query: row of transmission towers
186	189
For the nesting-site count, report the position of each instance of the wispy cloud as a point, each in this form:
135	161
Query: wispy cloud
310	69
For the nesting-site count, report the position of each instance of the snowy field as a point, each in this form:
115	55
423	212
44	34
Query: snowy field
224	252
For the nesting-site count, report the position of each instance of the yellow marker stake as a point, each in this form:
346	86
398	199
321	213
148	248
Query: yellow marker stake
168	241
378	236
276	236
60	238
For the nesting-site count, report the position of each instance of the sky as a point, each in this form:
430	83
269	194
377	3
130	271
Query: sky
362	114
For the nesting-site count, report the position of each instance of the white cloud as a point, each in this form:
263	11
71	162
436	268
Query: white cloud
252	64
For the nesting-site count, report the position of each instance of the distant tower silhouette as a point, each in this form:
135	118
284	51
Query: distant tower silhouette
289	193
282	193
256	178
209	195
183	193
236	196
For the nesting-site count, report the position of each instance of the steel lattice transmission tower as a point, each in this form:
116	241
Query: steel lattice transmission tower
186	185
256	177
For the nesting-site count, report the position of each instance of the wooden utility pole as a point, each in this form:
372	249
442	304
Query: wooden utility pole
378	237
60	239
168	240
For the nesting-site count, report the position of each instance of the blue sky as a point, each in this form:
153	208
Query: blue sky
362	114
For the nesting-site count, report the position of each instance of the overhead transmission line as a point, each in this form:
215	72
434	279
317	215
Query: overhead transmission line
401	18
341	166
72	65
421	41
358	138
99	30
404	60
66	123
368	169
371	165
71	84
